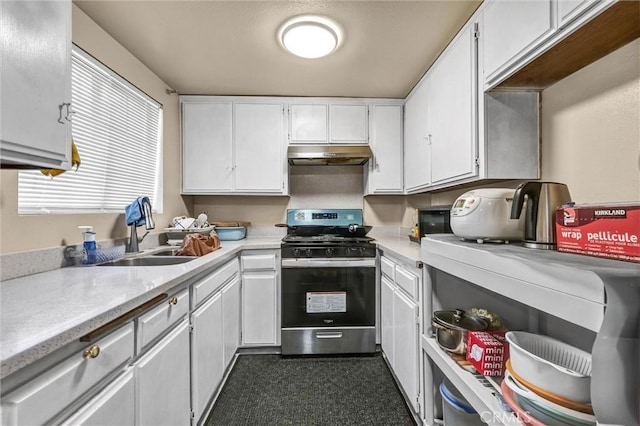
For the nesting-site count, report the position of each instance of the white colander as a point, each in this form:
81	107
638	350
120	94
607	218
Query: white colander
552	365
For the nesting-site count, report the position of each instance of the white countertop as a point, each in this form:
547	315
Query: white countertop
400	246
43	312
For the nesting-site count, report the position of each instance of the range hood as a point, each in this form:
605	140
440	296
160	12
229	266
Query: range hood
329	155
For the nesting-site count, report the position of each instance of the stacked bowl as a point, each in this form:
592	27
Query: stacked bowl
548	381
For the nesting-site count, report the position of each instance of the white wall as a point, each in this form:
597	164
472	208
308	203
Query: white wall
591	129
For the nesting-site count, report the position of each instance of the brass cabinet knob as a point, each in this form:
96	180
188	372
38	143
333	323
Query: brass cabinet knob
92	352
173	301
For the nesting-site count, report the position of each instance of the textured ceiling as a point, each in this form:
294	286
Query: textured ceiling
231	47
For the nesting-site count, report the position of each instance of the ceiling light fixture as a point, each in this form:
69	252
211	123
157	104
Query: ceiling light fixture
310	36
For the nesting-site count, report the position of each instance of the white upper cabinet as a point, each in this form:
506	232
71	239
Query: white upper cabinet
259	155
207	156
383	174
349	123
451	110
308	123
568	10
417	155
35	111
441	131
511	30
232	145
324	120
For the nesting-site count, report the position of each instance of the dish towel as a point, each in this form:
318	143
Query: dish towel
134	213
75	161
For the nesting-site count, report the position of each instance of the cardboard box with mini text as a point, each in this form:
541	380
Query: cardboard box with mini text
488	352
611	231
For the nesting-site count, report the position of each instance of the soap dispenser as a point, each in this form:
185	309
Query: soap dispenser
89	245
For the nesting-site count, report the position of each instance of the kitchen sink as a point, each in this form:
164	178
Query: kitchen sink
168	251
150	260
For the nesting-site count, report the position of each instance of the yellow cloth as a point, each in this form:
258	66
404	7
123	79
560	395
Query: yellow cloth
75	161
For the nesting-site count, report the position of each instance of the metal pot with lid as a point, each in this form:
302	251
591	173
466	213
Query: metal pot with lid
451	329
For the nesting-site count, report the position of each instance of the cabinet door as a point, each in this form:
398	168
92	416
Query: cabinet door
35	52
115	405
162	381
568	10
417	157
231	319
259	309
387	290
406	349
451	110
349	123
308	123
511	30
206	147
385	169
207	353
259	155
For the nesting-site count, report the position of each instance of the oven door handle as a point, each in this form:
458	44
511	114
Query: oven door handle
328	263
328	334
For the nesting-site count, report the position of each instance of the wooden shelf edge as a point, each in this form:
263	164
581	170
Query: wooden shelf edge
605	33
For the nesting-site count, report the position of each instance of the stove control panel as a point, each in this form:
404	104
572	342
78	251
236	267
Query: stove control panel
336	251
324	217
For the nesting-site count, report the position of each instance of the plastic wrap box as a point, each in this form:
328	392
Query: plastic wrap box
487	352
611	231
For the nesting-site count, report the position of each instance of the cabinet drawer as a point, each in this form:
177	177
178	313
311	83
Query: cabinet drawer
156	321
408	282
114	405
388	268
45	396
259	262
205	288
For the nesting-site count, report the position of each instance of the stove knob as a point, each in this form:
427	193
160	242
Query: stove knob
308	252
362	251
296	252
329	251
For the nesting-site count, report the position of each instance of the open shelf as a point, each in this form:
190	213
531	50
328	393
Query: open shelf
600	296
564	285
477	389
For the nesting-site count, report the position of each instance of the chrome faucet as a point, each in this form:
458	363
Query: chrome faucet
149	224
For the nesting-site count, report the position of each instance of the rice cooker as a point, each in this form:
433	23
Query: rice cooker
485	215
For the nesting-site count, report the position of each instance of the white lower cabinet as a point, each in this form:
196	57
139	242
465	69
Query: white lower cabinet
207	353
162	381
231	320
47	395
115	405
260	297
400	327
405	345
387	292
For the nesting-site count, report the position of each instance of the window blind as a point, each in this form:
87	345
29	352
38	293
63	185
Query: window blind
118	132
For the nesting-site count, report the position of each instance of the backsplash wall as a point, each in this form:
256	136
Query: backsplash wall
309	187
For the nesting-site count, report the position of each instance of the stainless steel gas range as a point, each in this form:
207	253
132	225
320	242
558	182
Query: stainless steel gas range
328	283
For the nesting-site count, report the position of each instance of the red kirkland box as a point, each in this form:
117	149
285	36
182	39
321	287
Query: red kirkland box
611	231
487	352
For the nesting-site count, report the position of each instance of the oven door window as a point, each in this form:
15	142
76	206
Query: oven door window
326	297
